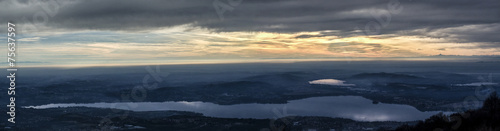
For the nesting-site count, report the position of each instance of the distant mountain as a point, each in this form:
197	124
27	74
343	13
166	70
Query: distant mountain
411	78
463	56
383	75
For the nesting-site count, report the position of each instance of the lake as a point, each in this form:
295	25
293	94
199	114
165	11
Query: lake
350	107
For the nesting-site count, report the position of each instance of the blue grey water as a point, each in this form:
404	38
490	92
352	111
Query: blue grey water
351	107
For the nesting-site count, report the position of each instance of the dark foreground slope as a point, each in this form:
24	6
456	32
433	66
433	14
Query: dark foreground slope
97	119
486	118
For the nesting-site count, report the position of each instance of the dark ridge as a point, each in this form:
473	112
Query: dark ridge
382	75
486	118
238	84
286	76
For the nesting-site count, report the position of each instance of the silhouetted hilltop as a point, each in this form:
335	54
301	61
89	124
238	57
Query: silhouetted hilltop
486	118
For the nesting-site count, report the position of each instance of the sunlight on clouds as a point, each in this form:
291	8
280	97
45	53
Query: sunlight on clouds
186	42
30	39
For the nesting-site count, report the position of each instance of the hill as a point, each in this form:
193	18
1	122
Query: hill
486	118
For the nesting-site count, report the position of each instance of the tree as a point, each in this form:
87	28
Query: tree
492	103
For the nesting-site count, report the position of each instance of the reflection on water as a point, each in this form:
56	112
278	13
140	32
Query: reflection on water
351	107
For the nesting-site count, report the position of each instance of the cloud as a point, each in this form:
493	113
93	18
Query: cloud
255	15
258	15
484	35
30	39
369	49
254	28
461	20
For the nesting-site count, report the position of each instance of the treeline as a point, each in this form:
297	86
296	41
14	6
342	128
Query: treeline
486	118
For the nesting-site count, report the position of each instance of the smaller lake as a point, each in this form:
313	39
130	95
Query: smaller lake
351	107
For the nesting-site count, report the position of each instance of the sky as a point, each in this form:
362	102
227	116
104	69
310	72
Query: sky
79	32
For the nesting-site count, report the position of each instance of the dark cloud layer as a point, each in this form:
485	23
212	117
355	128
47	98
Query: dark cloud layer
271	15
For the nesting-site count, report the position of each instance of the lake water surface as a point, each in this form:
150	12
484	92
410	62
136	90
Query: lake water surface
351	107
